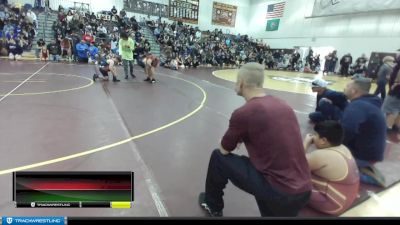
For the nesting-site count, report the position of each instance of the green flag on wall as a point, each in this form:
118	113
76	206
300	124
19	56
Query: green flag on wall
273	25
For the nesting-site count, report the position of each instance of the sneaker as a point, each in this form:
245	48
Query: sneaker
206	208
153	81
95	76
372	175
147	79
126	77
133	75
116	80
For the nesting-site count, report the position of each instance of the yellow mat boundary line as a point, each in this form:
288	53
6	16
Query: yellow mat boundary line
56	91
111	146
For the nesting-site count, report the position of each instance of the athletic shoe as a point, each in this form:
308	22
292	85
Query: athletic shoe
147	79
95	76
206	208
372	175
115	80
133	75
153	81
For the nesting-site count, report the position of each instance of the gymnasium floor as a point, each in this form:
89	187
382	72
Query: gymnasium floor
60	120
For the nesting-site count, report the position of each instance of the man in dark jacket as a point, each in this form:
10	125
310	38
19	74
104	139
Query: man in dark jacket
345	63
365	129
330	104
54	50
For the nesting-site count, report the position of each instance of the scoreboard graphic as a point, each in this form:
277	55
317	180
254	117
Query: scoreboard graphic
73	189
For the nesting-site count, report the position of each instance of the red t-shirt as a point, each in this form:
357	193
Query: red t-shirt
87	38
270	130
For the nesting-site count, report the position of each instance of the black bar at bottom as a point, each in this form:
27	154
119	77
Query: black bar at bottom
47	204
96	205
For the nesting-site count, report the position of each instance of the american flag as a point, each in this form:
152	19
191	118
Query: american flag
276	10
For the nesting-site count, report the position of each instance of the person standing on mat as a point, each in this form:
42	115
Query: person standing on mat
151	62
383	76
126	48
106	67
335	175
276	171
365	129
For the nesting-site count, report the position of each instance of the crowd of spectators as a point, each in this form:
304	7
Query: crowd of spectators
17	30
84	36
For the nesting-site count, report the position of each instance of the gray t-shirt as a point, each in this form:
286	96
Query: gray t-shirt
384	70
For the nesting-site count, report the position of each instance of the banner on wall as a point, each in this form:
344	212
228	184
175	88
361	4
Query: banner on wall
145	7
186	11
336	7
224	14
273	25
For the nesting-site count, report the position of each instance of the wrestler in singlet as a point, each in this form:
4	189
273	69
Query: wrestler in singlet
151	62
334	196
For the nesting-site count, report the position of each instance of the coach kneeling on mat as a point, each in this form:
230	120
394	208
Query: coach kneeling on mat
276	172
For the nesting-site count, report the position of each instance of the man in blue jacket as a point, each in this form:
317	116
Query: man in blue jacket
93	53
82	51
365	129
330	104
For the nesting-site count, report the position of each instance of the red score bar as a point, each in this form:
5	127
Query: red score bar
78	185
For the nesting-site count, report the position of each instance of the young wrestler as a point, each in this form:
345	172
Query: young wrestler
106	67
335	175
151	63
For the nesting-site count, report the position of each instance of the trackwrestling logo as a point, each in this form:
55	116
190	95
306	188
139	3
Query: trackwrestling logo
33	220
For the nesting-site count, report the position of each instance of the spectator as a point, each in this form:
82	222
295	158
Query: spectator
345	63
69	16
365	129
93	52
88	38
391	106
360	68
276	171
332	166
54	50
15	50
40	44
3	48
31	16
114	12
82	51
384	75
330	104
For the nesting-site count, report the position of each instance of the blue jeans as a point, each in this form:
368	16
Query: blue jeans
327	111
127	63
362	163
55	57
240	171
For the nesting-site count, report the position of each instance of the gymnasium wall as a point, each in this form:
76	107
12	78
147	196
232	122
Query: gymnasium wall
357	33
204	14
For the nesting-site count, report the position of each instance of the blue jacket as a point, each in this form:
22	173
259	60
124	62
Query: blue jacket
82	50
338	99
93	51
365	128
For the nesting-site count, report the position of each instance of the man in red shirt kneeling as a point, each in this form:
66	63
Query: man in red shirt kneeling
276	171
